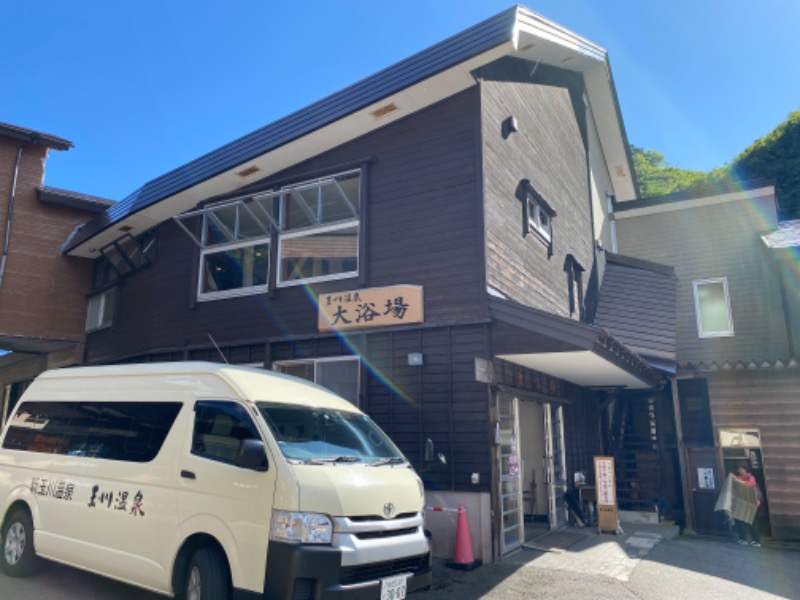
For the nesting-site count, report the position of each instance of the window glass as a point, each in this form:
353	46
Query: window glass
320	228
322	202
235	268
538	219
308	434
319	254
124	431
713	308
100	310
339	375
219	427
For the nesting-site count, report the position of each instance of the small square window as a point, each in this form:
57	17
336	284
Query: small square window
539	220
713	308
100	312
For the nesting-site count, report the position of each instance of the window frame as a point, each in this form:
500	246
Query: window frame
236	292
316	361
106	314
696	284
309	231
535	210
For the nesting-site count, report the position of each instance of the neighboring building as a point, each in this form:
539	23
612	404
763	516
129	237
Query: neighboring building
42	293
426	242
736	340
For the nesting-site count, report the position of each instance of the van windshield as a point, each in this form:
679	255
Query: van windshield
308	435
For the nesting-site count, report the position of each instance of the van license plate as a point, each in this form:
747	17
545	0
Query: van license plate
394	588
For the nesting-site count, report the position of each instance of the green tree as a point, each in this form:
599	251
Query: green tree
776	156
657	178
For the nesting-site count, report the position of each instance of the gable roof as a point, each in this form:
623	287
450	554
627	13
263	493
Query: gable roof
75	200
410	85
637	305
34	137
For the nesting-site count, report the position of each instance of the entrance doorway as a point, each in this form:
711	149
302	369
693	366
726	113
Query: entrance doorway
744	446
555	465
532	467
510	470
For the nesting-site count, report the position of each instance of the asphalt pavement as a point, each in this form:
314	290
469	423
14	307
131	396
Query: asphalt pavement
644	563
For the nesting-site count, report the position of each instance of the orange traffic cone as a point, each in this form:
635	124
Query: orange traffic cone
462	553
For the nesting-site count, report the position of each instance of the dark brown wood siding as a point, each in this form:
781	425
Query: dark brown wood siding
549	150
768	401
423	228
440	400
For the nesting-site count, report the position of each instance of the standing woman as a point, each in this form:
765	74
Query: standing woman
745	476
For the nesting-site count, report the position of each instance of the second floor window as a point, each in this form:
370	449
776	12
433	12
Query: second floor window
319	229
713	308
315	225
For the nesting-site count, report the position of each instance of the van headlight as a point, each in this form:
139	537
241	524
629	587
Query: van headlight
301	528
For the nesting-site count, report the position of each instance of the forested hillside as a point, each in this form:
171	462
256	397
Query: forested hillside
775	156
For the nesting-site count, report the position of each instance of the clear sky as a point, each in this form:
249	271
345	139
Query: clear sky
143	86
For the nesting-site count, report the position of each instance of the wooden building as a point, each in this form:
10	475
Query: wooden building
736	381
425	242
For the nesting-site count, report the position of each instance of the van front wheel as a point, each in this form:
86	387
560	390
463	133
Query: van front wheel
18	554
206	577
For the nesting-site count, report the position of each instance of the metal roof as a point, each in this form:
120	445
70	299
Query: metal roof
786	236
35	137
637	305
75	200
473	41
418	81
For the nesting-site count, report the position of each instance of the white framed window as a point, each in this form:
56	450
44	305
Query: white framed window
100	311
319	229
539	220
340	374
713	308
317	225
234	269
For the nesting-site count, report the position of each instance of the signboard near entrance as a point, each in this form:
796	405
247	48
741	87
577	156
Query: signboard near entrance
370	307
607	519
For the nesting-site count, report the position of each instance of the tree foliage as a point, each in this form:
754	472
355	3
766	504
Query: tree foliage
657	178
776	156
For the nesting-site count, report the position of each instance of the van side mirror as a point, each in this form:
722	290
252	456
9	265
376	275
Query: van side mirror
429	455
251	455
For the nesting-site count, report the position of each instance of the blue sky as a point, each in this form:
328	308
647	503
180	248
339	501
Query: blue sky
143	86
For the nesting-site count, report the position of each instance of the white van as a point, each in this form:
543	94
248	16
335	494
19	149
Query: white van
209	482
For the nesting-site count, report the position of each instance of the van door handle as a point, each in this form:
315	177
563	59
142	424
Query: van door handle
187	474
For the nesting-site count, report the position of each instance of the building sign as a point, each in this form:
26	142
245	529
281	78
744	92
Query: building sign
606	486
370	307
506	373
705	478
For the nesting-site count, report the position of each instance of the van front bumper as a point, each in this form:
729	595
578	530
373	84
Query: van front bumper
304	572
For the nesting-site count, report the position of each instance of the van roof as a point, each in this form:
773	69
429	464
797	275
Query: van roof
247	383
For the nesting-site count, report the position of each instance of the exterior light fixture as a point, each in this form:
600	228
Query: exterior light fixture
415	359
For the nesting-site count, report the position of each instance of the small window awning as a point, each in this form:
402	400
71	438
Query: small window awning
582	354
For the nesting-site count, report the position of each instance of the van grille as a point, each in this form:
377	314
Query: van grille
371	535
373	571
366	518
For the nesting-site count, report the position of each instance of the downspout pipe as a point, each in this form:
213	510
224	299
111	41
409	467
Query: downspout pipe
10	215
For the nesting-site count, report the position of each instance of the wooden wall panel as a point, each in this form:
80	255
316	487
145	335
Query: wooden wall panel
767	400
549	150
423	229
719	240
